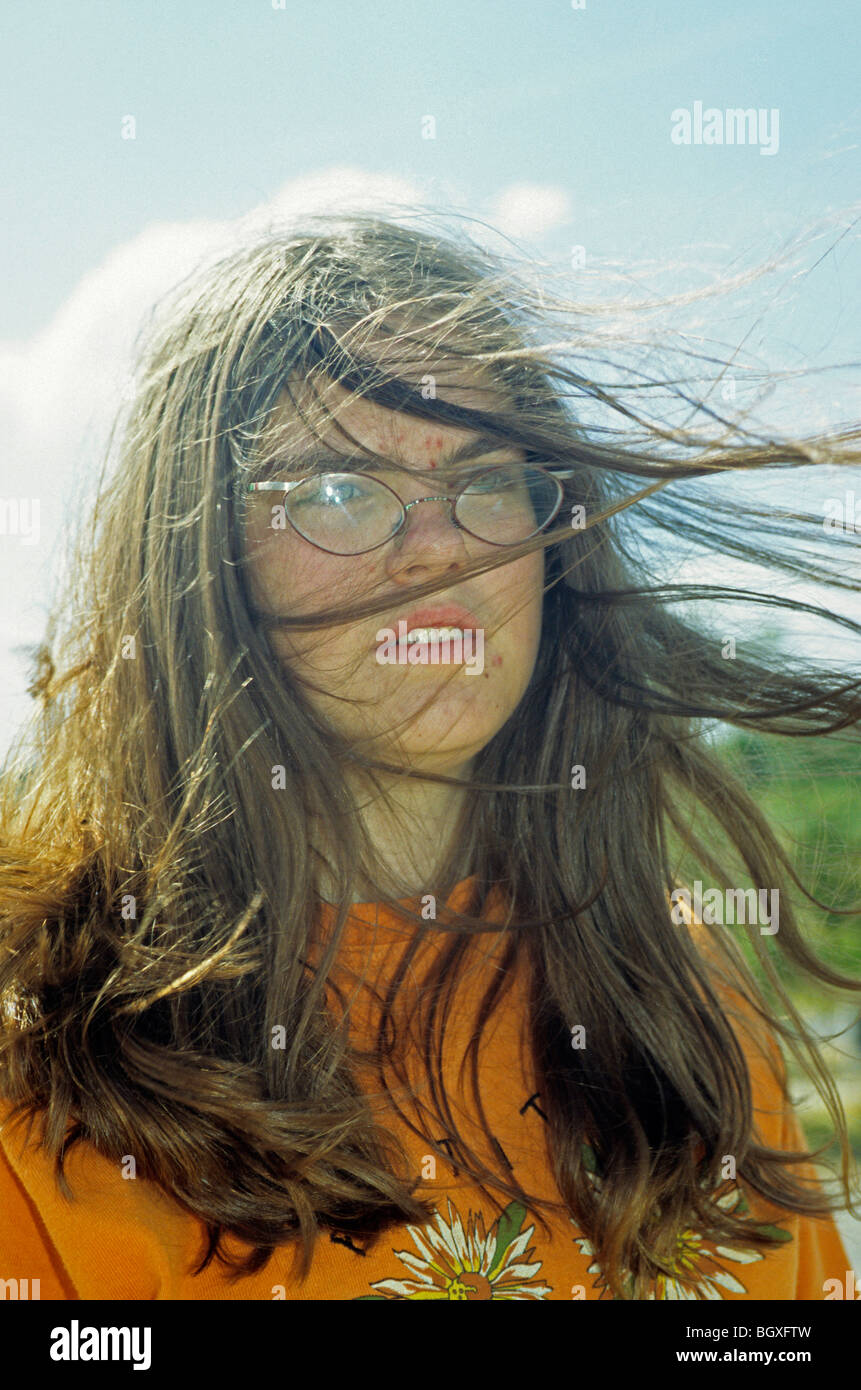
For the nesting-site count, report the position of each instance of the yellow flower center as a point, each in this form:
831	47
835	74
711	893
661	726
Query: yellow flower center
470	1285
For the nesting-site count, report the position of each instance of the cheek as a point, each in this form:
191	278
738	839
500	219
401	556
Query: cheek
526	590
521	636
290	576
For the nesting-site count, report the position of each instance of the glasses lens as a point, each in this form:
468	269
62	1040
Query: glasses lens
344	512
506	507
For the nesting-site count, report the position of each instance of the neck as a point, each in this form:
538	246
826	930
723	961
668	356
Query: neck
411	826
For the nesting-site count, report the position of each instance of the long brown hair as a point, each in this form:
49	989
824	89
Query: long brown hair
157	893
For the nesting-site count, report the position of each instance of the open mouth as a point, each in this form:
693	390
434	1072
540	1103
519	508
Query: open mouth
436	634
442	645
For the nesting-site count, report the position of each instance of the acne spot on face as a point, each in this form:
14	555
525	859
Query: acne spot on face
496	660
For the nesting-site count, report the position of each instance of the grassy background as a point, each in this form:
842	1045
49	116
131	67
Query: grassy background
810	792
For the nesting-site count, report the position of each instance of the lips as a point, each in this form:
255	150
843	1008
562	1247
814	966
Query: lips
443	615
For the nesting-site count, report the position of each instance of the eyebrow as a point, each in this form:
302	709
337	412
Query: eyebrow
480	446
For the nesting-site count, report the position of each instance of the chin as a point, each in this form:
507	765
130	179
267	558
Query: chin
450	740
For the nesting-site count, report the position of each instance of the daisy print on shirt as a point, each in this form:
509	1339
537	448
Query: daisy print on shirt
462	1259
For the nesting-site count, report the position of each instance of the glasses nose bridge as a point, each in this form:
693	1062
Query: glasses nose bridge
450	498
443	497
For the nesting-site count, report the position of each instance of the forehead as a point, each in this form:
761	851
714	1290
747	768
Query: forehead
323	410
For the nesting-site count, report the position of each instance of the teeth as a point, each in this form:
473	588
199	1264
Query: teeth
431	634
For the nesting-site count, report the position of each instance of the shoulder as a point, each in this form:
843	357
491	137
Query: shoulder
118	1237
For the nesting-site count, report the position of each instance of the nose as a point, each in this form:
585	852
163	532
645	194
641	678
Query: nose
429	539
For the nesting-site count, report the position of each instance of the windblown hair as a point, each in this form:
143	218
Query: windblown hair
148	781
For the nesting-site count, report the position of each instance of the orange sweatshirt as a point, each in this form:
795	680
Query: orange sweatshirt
123	1238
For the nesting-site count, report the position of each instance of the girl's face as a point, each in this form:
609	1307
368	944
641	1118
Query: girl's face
435	717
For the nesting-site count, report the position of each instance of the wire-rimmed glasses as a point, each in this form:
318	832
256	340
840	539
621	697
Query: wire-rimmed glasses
353	513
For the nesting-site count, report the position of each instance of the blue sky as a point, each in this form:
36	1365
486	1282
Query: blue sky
551	123
232	98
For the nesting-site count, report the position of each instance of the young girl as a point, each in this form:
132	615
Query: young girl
344	949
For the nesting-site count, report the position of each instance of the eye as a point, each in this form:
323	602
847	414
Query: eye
327	491
496	480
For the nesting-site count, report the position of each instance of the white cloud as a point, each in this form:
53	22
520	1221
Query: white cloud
67	379
530	210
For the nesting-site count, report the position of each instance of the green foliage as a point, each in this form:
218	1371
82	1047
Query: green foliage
810	792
